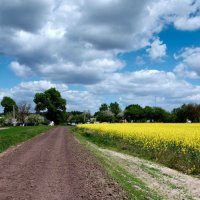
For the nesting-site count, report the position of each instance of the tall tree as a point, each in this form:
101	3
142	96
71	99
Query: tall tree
114	108
8	104
134	113
23	112
103	107
52	103
187	112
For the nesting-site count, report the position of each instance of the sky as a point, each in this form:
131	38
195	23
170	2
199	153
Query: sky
143	52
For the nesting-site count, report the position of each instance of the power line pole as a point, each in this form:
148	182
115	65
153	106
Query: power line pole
14	119
13	112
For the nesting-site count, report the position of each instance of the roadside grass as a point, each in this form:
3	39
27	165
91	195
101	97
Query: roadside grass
135	188
15	135
188	161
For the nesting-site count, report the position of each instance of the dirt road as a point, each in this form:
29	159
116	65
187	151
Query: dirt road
54	166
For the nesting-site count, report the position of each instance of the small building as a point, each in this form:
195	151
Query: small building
51	123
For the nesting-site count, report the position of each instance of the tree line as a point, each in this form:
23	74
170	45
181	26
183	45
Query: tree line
136	113
50	106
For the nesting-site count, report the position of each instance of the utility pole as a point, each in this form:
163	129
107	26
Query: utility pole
13	112
14	119
84	117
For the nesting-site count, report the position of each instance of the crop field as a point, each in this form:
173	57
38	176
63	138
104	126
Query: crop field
174	145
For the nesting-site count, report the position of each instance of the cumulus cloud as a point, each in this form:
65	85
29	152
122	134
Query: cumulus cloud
188	23
182	70
127	88
157	50
78	42
144	85
189	65
27	15
78	38
20	70
76	100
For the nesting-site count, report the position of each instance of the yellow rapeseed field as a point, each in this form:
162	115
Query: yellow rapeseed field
174	145
153	134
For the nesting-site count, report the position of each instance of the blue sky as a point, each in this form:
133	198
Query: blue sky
95	52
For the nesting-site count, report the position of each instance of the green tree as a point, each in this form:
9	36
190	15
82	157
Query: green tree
187	112
104	116
8	104
161	115
134	113
35	119
149	113
114	108
103	107
52	103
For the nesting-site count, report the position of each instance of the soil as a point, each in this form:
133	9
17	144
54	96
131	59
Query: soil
54	166
169	183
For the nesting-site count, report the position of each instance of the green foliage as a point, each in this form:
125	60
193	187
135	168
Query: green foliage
35	119
114	108
8	119
111	113
8	104
134	113
103	107
187	112
40	101
15	135
2	121
161	115
104	116
52	103
78	117
149	113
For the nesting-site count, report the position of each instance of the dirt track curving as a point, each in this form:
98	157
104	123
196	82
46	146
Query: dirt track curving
54	166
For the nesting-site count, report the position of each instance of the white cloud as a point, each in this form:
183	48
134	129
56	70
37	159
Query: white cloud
78	42
139	61
142	87
157	50
20	70
79	37
76	100
190	24
182	70
189	65
82	101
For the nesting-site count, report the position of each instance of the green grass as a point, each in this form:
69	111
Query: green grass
171	156
135	188
15	135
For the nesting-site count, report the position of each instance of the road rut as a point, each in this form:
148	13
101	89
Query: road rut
54	166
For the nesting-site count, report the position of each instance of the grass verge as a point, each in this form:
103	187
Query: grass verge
15	135
135	188
169	154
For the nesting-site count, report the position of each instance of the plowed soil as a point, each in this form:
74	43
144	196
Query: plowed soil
54	166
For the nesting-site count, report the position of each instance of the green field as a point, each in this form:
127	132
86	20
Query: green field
15	135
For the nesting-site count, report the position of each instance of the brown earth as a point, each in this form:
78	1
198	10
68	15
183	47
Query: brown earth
54	166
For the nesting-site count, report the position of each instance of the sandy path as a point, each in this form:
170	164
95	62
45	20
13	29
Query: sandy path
169	183
54	166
